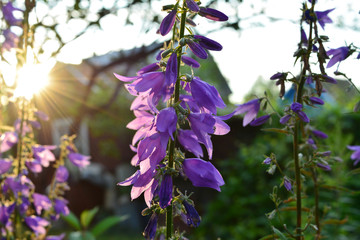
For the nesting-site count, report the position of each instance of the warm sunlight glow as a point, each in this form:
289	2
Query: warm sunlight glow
32	78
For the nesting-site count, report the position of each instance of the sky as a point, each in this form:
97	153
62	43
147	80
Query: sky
252	53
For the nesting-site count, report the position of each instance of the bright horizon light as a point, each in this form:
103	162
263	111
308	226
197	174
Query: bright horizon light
31	79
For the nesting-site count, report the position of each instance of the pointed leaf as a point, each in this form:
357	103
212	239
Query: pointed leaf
277	130
72	220
107	223
87	216
335	221
279	234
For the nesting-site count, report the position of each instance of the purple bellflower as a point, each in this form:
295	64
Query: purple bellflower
197	49
5	165
190	142
316	100
212	14
150	229
296	108
79	160
202	173
168	22
41	202
37	224
287	184
338	55
260	121
165	192
5	213
166	121
356	154
61	174
319	134
171	70
190	61
191	4
192	217
323	18
324	167
267	161
251	109
8	13
202	124
43	154
206	95
8	140
285	119
208	43
11	40
60	207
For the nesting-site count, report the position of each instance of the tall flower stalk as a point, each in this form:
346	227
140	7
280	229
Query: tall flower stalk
187	121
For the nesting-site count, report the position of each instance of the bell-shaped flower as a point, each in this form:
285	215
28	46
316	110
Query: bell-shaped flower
8	13
192	217
296	108
260	121
338	55
190	61
166	121
149	68
202	124
356	154
150	229
316	100
206	95
166	190
43	154
41	202
5	213
250	109
197	49
202	173
34	165
208	43
11	40
323	18
37	224
61	174
324	167
8	140
60	206
79	160
190	142
41	115
287	184
168	22
212	14
285	119
171	70
319	134
191	4
5	165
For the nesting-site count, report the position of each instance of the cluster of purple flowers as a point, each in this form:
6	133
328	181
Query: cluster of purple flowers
187	122
19	197
11	39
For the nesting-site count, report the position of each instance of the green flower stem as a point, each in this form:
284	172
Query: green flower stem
317	212
299	95
169	209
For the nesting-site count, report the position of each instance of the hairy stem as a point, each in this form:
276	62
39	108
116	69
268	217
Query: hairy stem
317	212
169	209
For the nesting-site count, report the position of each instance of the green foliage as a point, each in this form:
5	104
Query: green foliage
239	211
82	226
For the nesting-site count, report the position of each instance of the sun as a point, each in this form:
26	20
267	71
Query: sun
31	79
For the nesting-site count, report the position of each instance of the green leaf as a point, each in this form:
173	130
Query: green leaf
72	220
87	216
277	130
107	223
81	236
279	234
355	171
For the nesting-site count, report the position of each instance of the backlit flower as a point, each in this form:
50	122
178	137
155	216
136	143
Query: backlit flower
202	173
338	55
356	154
168	22
250	109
